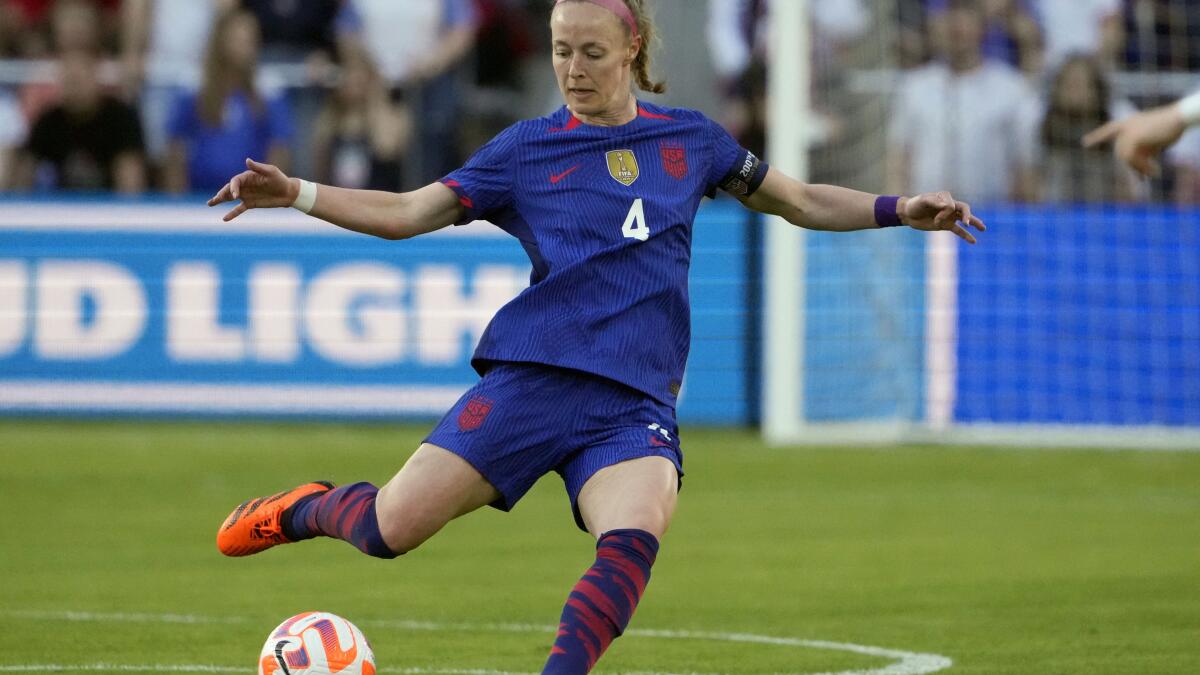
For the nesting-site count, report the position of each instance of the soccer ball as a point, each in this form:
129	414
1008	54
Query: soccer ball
316	643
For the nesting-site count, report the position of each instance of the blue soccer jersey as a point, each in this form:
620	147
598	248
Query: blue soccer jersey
605	214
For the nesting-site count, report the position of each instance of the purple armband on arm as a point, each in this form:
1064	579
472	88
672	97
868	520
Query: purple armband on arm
885	212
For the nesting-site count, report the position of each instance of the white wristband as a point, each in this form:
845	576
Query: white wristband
307	197
1189	107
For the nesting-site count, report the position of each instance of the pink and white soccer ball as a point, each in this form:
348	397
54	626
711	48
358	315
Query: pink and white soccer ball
316	643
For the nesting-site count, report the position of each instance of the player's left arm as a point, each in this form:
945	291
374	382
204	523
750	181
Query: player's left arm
838	209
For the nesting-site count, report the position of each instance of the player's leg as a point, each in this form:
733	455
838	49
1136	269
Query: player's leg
490	448
639	494
627	507
409	512
434	487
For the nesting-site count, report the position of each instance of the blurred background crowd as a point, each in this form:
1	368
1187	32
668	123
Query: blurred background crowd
988	98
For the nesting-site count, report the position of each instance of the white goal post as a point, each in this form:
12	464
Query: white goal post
783	288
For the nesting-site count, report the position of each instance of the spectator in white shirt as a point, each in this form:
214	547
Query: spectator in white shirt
967	124
1080	27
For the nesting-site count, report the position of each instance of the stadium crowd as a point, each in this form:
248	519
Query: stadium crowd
172	95
1026	80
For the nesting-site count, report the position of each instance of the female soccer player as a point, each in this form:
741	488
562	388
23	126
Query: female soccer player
581	371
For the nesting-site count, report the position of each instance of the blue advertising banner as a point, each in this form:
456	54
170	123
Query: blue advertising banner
158	308
1061	316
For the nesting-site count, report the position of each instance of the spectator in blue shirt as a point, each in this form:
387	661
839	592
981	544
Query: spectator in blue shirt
213	131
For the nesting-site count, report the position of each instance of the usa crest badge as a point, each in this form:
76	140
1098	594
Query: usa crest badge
623	166
474	413
674	159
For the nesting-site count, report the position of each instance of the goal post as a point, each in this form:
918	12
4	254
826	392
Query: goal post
789	103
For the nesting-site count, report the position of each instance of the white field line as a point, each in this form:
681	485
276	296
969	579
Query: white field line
118	617
904	662
111	667
163	668
118	668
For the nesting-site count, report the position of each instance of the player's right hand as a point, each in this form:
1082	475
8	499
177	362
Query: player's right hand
261	186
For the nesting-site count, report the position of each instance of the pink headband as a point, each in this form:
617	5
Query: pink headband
617	7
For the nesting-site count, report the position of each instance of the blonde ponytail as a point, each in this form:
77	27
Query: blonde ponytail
649	32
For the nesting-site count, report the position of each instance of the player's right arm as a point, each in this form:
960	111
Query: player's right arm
1138	139
387	215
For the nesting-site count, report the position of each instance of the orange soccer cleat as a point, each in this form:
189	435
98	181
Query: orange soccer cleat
256	524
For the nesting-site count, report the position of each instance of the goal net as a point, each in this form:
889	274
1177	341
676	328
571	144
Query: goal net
1076	320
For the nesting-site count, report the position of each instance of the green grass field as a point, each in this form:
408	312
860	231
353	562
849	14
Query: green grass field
1003	561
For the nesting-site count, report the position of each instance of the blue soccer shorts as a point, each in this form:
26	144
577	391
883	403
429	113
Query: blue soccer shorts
522	421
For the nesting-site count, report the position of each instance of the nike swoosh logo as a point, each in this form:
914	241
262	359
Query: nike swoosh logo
554	180
279	655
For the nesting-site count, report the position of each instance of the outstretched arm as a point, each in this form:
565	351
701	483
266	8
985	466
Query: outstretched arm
838	209
387	215
1140	138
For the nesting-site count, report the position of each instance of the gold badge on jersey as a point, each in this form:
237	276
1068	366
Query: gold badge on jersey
623	166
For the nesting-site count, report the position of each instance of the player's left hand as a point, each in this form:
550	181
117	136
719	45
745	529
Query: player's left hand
937	211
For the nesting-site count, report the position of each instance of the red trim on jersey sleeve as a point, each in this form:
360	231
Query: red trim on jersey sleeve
463	197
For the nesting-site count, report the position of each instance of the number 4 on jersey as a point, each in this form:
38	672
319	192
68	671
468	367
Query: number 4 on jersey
635	223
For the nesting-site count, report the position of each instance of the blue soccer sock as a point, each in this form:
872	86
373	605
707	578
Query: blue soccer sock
601	604
346	513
